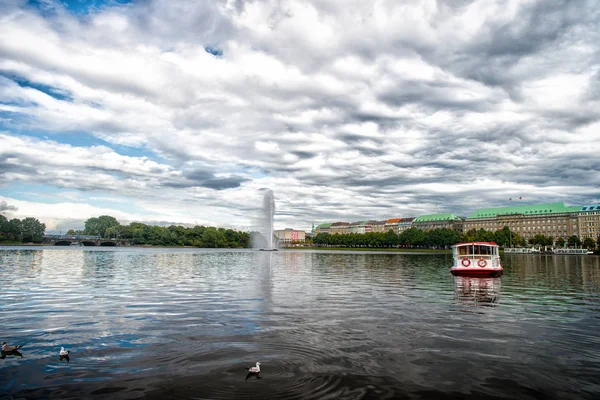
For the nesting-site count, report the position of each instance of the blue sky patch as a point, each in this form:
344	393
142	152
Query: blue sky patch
39	193
83	139
77	7
58	94
215	51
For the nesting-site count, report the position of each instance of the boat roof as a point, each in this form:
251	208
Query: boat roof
476	243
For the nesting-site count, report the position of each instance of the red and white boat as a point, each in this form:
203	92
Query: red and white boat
476	259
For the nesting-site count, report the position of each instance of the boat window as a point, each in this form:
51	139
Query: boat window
462	251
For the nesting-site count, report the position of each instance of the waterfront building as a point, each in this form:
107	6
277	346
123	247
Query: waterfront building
378	226
588	221
437	221
360	227
288	235
404	224
392	224
551	219
338	228
322	228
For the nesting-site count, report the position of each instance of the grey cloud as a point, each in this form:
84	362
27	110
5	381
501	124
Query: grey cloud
304	154
204	178
5	207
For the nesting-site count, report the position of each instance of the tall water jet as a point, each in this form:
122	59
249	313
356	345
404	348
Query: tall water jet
265	222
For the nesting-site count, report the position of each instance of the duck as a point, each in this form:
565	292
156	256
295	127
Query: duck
253	371
63	352
7	349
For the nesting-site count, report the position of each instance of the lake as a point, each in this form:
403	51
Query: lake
184	323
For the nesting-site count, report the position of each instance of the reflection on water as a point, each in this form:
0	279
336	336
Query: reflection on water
477	290
181	323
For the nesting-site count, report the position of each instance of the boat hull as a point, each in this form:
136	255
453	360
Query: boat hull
465	271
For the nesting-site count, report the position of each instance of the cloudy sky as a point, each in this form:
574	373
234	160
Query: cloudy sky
177	111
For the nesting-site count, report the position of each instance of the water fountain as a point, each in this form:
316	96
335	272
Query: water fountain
265	223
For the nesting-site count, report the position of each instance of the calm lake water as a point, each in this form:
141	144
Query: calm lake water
170	323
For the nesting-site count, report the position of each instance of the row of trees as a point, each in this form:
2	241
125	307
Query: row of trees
26	230
174	235
443	238
413	237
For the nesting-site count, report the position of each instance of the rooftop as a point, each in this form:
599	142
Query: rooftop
437	217
532	209
590	207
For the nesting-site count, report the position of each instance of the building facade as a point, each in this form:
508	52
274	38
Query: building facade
392	224
322	228
404	224
339	228
551	219
287	236
588	221
378	226
438	221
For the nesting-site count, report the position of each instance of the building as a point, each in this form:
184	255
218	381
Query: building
338	228
404	224
360	227
392	224
551	219
322	228
588	221
378	226
437	221
288	235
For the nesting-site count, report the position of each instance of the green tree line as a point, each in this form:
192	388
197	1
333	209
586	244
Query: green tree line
24	231
174	235
414	237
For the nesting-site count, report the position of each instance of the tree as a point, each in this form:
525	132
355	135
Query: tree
3	227
32	230
13	229
503	237
573	241
98	226
560	242
589	243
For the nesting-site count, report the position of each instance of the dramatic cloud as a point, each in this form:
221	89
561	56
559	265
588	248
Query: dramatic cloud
347	110
5	207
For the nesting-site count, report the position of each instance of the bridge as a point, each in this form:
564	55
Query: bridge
85	240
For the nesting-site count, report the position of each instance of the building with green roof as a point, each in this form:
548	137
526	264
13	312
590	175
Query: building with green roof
437	221
589	221
549	219
322	228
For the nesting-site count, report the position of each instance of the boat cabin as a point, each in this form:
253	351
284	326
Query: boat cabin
476	258
476	250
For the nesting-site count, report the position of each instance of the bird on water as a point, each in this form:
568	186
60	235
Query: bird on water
7	349
10	351
253	371
64	354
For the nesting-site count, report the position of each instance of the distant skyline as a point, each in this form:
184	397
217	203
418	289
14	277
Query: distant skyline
178	112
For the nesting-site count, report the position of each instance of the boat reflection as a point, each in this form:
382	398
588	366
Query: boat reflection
484	291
